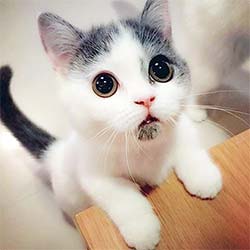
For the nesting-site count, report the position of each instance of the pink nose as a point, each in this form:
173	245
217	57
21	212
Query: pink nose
147	102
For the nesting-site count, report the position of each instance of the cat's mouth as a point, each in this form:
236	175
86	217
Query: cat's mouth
149	128
149	119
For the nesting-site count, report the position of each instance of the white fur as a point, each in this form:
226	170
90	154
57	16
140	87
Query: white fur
90	167
213	37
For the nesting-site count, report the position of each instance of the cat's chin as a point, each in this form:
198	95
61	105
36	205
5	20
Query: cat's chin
149	129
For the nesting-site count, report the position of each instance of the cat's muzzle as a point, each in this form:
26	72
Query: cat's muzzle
149	129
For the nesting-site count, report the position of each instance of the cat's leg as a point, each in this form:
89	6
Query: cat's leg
193	166
69	196
163	174
195	112
128	208
67	191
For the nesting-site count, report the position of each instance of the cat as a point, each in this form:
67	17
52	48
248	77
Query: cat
213	37
123	87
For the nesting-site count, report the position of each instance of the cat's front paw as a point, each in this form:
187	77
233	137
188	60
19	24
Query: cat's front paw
204	182
197	114
142	232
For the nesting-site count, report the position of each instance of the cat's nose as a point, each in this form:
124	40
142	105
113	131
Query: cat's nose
147	102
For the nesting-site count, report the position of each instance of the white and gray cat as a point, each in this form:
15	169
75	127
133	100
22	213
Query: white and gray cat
123	87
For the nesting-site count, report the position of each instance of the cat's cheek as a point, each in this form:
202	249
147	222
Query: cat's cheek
129	121
168	104
123	126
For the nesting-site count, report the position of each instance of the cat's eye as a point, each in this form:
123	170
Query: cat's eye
160	70
104	85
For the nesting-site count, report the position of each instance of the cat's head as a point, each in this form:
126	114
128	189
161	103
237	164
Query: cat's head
125	75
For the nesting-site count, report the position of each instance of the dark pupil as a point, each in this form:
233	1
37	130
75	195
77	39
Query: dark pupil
104	84
160	69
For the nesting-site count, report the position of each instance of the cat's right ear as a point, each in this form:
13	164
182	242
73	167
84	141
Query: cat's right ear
156	13
60	40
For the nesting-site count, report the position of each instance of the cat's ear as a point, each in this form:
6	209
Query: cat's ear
156	13
60	40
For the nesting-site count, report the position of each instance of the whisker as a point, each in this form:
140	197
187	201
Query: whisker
216	92
219	109
221	127
170	123
173	120
107	146
121	115
229	109
138	145
222	107
127	160
101	133
109	127
132	135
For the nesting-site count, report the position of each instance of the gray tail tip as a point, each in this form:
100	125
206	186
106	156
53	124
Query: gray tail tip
5	73
5	76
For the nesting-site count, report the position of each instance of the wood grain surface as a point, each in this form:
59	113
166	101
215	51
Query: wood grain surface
188	222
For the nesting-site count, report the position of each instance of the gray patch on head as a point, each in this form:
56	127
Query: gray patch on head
155	43
150	37
148	131
98	41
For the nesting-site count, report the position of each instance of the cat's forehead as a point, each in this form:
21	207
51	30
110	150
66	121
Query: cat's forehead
150	38
126	54
128	43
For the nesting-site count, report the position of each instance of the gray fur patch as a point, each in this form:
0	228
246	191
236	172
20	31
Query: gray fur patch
148	131
155	43
98	42
94	43
151	38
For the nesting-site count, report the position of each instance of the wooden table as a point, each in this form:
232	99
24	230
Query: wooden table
188	222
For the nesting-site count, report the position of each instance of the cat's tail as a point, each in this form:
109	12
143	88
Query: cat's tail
32	137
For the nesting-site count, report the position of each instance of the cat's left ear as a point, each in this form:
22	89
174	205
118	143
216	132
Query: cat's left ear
156	13
60	39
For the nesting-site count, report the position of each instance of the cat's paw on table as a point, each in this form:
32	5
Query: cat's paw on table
142	233
206	182
197	114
